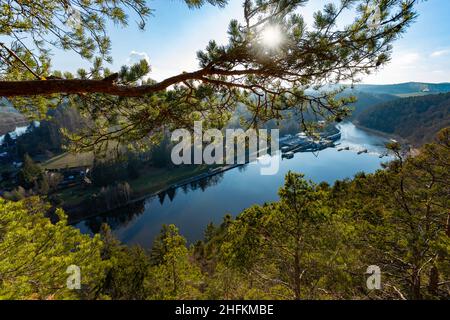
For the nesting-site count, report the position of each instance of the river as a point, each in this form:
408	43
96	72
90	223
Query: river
192	207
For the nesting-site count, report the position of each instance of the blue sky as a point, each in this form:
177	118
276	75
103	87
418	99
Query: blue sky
174	34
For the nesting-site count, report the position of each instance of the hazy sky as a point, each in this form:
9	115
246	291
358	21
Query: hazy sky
174	34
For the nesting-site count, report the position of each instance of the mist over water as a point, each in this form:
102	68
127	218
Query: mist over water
192	207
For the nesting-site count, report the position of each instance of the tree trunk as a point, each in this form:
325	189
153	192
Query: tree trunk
297	273
447	231
415	285
434	280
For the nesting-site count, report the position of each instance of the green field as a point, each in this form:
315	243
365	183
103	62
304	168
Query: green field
69	160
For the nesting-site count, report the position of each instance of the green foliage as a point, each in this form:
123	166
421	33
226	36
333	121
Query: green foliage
128	268
108	172
413	235
35	254
317	241
30	174
172	275
268	81
294	246
68	25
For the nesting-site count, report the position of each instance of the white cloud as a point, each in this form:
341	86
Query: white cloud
407	59
440	53
136	56
407	66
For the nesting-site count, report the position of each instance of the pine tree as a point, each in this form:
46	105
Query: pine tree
326	51
30	174
127	269
286	246
172	275
7	140
36	253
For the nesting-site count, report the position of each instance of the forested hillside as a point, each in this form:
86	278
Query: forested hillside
405	89
365	100
316	242
416	119
47	139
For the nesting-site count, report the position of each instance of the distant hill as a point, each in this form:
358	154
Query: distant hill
416	119
6	106
405	89
371	94
10	120
9	117
366	100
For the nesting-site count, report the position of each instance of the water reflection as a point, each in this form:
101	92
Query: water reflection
201	184
192	206
116	218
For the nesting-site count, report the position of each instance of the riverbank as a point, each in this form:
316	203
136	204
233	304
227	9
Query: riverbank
412	151
141	191
389	136
151	181
150	185
173	181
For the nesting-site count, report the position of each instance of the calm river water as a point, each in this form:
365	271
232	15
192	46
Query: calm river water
192	207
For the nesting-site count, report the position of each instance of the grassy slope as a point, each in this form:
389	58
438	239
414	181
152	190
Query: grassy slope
69	160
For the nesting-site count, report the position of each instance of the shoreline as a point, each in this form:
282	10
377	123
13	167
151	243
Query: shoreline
211	172
381	133
151	195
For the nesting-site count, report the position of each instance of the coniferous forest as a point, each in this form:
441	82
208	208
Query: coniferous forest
100	151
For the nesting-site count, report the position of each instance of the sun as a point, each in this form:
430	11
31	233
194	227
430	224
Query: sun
271	36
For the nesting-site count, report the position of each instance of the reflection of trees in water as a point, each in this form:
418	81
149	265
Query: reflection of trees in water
171	193
122	216
207	182
161	197
116	218
242	168
202	184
